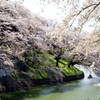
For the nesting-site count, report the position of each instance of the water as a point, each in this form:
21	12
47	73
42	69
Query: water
73	90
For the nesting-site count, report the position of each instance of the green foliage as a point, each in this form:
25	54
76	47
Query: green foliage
44	60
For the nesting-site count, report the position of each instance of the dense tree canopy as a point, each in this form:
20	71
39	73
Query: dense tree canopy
25	38
79	14
33	47
22	36
18	28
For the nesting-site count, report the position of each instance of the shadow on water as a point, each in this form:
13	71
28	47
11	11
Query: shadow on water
39	90
36	91
20	95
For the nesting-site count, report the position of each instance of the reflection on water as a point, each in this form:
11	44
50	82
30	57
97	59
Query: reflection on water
73	90
87	81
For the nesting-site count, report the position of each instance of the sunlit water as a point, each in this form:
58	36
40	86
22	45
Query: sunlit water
73	90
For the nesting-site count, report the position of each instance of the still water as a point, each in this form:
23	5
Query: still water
73	90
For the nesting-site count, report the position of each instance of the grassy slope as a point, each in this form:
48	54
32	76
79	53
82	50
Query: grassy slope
67	71
39	74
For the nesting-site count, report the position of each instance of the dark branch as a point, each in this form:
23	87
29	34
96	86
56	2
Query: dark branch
96	5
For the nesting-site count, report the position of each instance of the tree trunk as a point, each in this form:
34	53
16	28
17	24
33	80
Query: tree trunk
69	65
24	68
57	61
71	61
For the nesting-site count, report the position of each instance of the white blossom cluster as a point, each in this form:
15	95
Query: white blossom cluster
5	72
18	26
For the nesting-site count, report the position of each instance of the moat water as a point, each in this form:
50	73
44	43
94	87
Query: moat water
73	90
